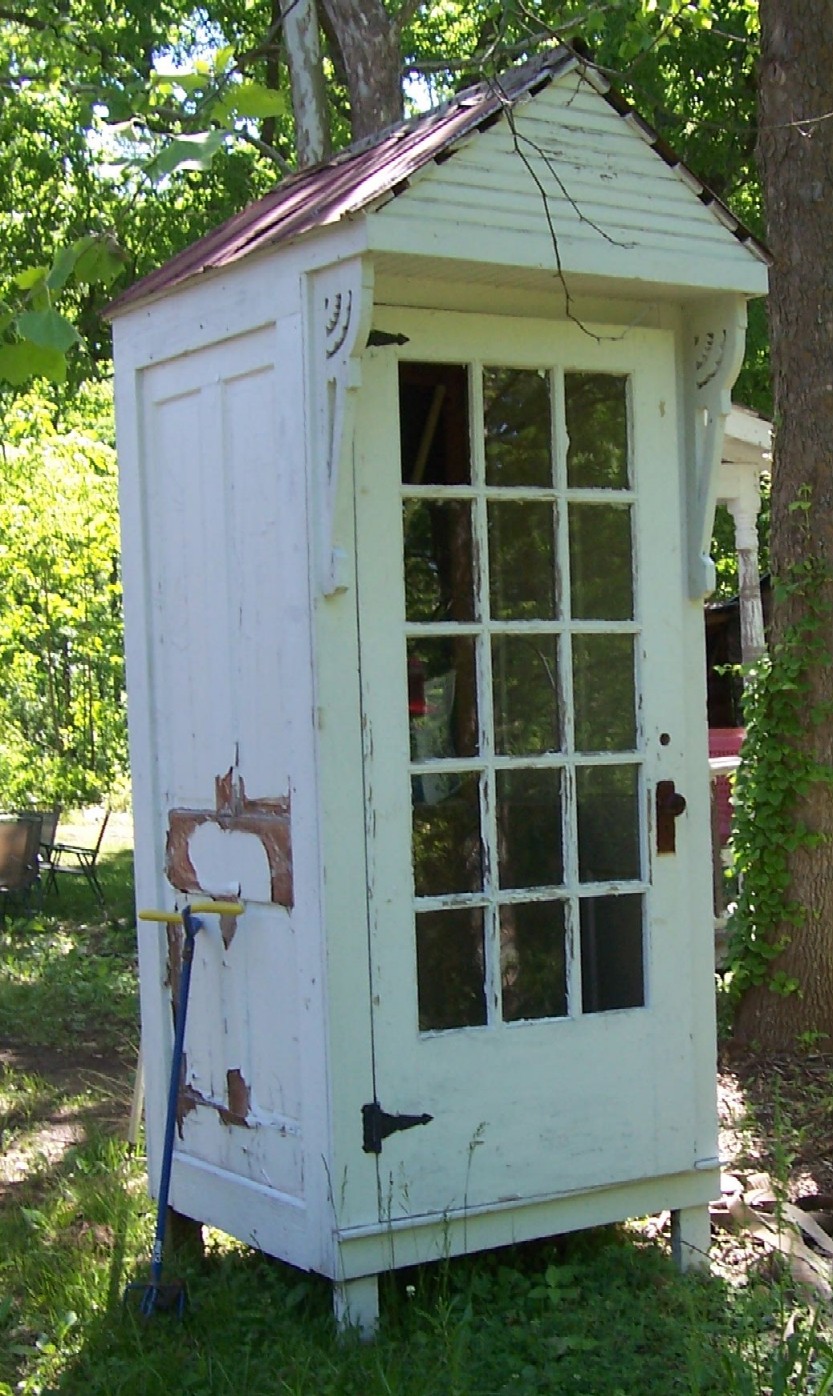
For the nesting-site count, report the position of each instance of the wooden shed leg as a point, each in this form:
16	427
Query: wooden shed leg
691	1237
356	1304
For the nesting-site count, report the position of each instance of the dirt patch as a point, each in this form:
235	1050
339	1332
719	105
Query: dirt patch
69	1096
777	1117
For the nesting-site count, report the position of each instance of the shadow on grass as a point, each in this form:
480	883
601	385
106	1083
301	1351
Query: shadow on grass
68	977
602	1316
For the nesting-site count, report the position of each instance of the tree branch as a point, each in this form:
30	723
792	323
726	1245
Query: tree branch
265	149
331	35
407	11
27	21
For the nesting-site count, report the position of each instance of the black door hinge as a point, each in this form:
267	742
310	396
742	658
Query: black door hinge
377	1125
379	339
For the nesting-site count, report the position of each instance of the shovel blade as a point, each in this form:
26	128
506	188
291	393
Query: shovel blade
153	1297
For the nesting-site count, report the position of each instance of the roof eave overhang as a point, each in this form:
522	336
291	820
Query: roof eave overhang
322	246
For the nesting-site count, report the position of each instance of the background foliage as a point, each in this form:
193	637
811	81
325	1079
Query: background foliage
62	725
143	126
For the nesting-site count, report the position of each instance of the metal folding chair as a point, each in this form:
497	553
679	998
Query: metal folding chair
74	860
48	833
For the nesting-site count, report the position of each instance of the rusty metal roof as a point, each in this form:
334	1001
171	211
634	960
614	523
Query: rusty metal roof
380	168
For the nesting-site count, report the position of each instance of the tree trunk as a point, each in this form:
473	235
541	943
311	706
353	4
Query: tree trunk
368	38
309	96
795	148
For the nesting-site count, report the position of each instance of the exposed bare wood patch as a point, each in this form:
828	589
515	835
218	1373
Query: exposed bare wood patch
188	1098
228	928
236	1112
269	820
239	1099
174	936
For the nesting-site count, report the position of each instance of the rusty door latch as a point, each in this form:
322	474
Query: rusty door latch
670	804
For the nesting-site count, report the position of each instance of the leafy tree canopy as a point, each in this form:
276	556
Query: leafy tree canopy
127	130
62	696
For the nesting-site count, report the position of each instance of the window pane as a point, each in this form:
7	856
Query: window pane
608	823
438	560
522	561
446	834
601	565
434	424
525	684
450	961
611	953
529	828
442	698
532	961
596	407
604	693
516	421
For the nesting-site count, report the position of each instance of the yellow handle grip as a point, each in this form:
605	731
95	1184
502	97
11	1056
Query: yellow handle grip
174	917
219	908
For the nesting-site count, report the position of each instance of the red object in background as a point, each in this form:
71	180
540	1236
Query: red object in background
417	702
724	741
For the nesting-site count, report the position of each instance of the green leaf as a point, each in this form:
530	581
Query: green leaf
47	329
186	81
162	83
30	277
251	99
189	82
100	259
223	57
187	153
21	362
61	269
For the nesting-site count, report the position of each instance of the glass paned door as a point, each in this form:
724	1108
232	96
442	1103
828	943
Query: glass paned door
521	646
520	625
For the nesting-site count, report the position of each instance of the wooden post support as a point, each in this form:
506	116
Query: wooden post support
356	1304
691	1237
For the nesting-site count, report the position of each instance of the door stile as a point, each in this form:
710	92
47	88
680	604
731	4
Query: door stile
379	383
561	443
488	793
637	453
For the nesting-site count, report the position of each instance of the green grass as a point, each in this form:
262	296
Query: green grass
603	1314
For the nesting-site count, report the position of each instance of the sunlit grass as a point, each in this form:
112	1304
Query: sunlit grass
61	984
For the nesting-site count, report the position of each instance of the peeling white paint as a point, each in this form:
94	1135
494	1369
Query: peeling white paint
223	857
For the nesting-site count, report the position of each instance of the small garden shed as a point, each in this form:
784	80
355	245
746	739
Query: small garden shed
418	467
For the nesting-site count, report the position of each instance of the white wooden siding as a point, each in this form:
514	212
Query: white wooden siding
616	207
228	650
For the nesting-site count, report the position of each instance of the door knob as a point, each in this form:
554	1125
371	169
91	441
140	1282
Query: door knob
670	804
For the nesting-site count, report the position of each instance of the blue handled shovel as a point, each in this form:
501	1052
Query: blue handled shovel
171	1296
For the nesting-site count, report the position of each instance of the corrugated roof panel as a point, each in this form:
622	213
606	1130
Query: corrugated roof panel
359	177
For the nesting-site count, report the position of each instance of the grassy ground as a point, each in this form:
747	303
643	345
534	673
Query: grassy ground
603	1314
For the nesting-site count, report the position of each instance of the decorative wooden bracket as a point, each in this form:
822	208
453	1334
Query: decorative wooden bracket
340	309
716	340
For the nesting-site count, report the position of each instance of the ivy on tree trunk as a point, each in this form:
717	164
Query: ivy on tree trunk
795	150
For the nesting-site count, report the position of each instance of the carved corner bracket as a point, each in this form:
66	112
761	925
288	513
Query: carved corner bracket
716	337
340	311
